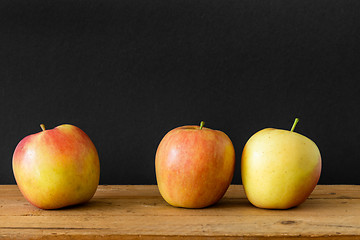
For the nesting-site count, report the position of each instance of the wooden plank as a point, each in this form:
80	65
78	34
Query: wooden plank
157	207
132	212
234	191
231	226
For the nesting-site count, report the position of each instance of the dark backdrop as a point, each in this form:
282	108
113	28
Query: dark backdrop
128	71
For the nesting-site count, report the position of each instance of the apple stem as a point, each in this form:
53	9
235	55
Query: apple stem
294	125
202	124
42	127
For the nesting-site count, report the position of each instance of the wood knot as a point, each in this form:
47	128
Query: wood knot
288	222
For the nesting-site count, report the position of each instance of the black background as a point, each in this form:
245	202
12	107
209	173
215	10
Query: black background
128	71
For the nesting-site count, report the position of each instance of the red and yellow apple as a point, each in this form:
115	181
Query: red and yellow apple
279	168
57	168
194	166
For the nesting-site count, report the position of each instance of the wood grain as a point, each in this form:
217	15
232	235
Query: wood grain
139	212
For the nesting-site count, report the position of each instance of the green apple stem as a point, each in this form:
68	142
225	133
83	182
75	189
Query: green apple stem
202	124
42	127
294	125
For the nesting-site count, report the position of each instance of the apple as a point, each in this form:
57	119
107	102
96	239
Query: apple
279	168
56	168
194	166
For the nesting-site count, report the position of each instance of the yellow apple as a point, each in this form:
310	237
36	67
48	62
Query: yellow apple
279	168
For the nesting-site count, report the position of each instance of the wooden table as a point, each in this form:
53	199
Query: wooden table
139	212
